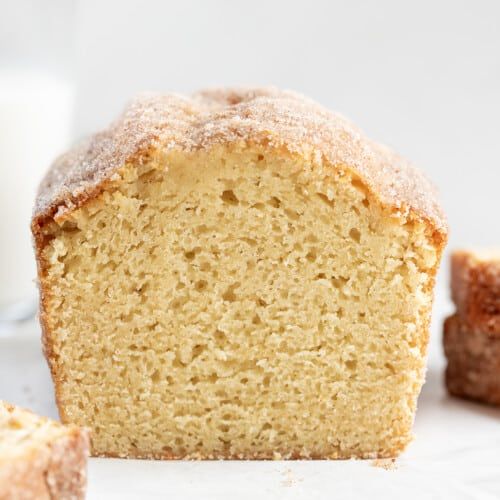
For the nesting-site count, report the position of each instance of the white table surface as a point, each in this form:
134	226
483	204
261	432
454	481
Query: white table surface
455	455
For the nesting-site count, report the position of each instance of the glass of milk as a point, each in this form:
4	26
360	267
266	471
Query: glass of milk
36	109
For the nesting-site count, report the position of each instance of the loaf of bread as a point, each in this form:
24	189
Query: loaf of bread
40	459
472	335
237	274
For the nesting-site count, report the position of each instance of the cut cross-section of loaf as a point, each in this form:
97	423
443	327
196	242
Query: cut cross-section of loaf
237	274
40	459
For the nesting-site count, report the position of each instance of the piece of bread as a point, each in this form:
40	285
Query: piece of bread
472	336
473	369
475	288
237	274
40	459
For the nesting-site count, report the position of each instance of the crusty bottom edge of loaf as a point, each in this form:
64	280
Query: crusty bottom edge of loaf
271	455
455	388
459	393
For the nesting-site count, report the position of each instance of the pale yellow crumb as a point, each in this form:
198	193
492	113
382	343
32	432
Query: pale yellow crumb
230	303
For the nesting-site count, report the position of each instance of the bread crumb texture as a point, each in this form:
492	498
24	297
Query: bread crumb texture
238	301
40	459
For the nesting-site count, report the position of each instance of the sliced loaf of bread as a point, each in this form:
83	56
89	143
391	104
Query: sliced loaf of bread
237	274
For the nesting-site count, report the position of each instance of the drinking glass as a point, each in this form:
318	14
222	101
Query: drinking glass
36	108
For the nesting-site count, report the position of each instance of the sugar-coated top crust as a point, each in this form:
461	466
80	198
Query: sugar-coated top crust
210	117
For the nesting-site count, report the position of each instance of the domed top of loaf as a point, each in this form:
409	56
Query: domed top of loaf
254	115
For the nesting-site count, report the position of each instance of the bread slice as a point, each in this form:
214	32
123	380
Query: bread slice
237	274
472	335
473	369
39	458
475	288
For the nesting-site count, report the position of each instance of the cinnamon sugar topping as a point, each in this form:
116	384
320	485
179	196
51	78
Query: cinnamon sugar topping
268	115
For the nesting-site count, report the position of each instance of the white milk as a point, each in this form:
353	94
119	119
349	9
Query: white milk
35	126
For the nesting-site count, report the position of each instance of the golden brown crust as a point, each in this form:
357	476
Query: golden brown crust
473	369
263	115
475	288
52	469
